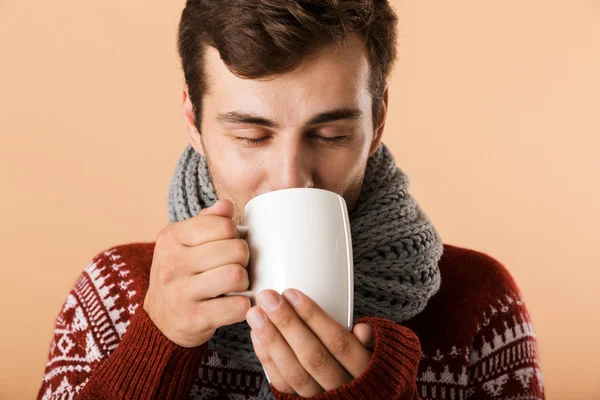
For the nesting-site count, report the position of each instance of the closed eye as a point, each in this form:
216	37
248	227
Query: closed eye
262	140
332	140
252	141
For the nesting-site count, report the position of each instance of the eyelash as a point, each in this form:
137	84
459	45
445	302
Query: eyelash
327	140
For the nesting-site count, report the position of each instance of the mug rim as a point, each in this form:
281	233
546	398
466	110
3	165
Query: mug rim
291	190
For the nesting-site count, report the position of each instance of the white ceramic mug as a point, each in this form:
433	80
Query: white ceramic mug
300	238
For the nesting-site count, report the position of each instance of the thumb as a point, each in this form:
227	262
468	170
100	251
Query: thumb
365	334
223	208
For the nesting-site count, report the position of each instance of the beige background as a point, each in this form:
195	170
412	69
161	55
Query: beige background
494	116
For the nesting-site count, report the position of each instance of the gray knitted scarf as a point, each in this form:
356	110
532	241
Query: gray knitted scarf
396	247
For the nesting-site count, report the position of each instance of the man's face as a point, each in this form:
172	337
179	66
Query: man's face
311	127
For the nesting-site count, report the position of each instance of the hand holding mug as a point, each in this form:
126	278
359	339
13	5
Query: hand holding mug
195	262
303	350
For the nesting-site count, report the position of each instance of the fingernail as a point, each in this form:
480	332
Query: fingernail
256	318
269	300
292	296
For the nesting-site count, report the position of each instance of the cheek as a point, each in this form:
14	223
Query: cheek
343	171
233	172
346	177
241	176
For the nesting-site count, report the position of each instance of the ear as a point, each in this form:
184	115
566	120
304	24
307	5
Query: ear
378	132
190	120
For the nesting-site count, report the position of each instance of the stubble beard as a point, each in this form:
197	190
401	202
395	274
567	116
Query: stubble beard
224	194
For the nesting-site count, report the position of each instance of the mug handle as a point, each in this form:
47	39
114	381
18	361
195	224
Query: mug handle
242	231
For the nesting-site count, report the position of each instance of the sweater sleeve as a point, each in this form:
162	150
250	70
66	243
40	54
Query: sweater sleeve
504	358
106	347
392	372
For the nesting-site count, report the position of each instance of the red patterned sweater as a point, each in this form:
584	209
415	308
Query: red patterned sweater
474	340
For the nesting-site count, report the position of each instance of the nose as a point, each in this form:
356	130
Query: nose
290	167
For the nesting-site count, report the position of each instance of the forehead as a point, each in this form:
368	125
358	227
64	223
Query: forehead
337	75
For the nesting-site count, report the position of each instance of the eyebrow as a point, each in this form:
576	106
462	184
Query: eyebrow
328	116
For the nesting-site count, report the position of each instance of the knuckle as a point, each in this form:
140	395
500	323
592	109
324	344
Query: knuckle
233	309
228	228
166	273
243	305
285	321
308	313
268	338
237	276
265	359
298	379
317	360
169	264
340	344
163	236
240	249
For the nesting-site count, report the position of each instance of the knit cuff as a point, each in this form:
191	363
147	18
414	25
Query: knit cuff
146	365
392	372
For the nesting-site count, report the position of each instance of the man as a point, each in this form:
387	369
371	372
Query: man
283	94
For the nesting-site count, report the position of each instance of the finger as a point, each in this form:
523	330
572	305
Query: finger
365	334
343	345
222	311
203	229
223	208
309	350
282	355
215	254
270	368
209	225
217	281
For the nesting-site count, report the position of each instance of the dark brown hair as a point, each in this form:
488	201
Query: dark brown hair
262	38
